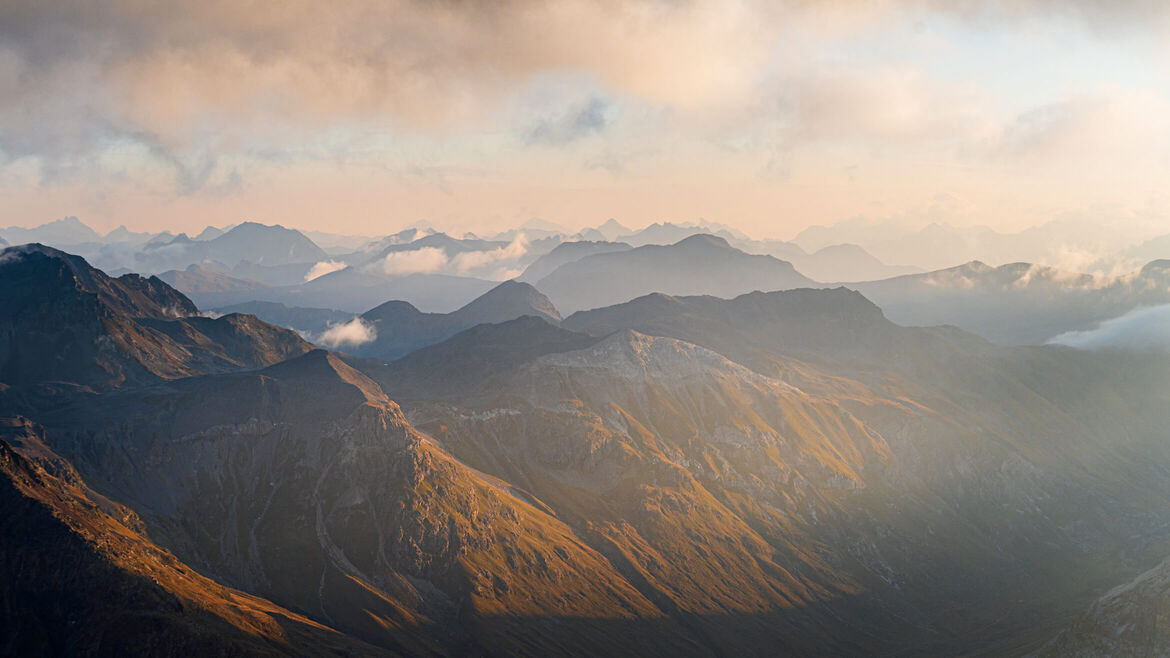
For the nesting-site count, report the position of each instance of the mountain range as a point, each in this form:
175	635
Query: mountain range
64	321
1018	303
401	328
711	454
700	264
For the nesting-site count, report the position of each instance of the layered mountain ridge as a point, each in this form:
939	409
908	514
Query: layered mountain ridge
785	471
62	320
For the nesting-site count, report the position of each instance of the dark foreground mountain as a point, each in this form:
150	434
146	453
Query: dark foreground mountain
698	265
82	578
304	484
64	321
1129	620
928	491
401	328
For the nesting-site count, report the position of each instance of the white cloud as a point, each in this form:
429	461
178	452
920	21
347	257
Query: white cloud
416	261
322	268
473	260
353	333
1143	328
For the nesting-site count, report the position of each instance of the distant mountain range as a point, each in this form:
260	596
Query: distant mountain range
1075	245
401	328
65	231
565	253
861	250
308	322
198	279
1019	303
700	264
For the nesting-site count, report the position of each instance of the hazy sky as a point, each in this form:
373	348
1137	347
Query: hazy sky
768	116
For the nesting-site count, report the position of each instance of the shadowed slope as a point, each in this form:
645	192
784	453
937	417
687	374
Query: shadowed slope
81	578
62	320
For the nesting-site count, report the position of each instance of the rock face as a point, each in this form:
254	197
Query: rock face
81	577
698	265
304	484
64	321
910	487
1130	620
402	328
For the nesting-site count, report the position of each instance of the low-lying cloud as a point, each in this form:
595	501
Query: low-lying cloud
468	261
350	334
498	263
322	268
1140	329
424	260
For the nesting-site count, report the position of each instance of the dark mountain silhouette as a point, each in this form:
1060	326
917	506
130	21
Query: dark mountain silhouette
81	577
62	320
312	321
402	328
351	514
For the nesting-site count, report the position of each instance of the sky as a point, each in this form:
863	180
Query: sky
365	117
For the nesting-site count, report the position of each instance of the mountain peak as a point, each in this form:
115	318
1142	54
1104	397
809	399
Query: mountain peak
67	321
324	370
1156	266
507	301
700	264
704	240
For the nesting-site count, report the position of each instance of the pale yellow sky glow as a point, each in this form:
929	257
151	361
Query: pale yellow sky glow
769	117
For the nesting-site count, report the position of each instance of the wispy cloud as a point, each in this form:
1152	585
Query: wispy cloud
322	268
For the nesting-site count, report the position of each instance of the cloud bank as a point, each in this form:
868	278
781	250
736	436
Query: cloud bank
477	112
1144	328
424	260
499	263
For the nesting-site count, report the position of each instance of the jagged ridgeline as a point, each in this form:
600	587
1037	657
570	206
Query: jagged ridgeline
774	473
